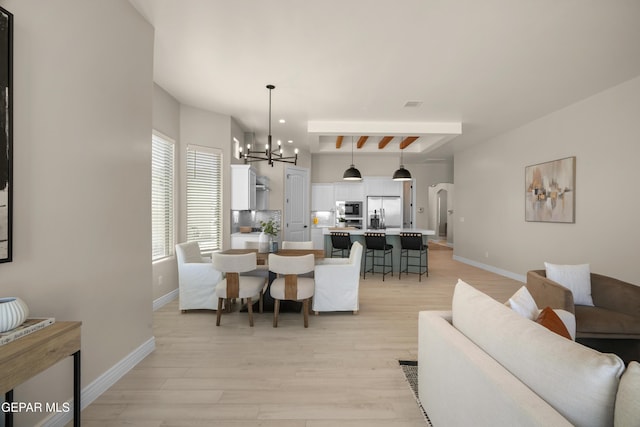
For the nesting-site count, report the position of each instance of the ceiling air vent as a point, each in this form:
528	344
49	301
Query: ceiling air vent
412	104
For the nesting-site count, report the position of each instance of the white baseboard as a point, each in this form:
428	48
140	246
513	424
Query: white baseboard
501	272
165	299
102	383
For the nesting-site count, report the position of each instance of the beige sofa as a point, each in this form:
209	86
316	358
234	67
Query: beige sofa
482	364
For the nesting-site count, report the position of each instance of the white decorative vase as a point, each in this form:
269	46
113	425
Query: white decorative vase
264	243
13	312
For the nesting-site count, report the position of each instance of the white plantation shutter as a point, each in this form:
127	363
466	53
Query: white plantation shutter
204	197
162	197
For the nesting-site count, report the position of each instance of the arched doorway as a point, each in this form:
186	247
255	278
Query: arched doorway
441	220
441	211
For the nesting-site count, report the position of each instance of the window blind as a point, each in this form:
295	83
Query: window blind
162	197
204	197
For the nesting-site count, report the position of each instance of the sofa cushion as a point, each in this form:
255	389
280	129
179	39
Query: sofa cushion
576	278
578	382
627	412
598	320
523	303
550	320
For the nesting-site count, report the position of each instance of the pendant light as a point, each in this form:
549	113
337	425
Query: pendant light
352	174
401	174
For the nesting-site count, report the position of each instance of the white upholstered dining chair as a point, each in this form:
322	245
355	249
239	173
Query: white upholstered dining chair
337	283
197	278
297	245
292	286
236	286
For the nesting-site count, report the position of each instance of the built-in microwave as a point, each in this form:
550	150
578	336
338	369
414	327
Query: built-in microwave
353	209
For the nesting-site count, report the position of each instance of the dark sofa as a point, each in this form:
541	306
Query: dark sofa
616	311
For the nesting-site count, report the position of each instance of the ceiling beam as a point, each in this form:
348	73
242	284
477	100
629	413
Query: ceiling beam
384	141
383	128
407	141
339	141
361	141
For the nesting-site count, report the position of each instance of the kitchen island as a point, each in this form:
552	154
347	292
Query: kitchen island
393	238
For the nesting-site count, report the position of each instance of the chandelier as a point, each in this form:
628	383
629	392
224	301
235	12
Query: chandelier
268	154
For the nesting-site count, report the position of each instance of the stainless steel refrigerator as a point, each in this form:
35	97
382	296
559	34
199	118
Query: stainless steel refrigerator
387	209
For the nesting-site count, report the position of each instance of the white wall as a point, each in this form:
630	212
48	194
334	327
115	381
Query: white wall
603	133
82	227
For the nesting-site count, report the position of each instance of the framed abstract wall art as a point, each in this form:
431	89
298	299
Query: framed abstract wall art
6	141
550	191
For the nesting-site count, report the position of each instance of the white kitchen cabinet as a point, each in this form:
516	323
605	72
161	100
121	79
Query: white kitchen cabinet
349	191
243	188
317	238
322	197
382	186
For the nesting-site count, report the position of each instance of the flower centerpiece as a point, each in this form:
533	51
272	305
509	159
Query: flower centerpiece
270	229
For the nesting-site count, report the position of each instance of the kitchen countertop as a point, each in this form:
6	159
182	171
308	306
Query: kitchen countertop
388	231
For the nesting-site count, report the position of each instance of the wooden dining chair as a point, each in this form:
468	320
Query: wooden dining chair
292	287
236	286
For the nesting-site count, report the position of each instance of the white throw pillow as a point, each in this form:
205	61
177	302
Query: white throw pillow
523	303
576	278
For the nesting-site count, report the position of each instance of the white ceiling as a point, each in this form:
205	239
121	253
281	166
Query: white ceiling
349	66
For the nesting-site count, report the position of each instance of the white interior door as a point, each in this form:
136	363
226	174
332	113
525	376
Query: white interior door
296	212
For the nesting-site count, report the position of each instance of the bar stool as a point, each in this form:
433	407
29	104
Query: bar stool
341	243
376	242
413	242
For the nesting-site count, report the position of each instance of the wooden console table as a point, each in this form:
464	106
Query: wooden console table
27	356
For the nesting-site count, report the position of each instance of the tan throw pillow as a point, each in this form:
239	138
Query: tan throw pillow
550	320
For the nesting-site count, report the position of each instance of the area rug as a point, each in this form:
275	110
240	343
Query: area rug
410	369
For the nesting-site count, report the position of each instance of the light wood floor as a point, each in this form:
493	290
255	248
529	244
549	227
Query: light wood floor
341	371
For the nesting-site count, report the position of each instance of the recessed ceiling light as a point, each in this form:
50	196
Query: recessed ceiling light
412	104
290	141
282	121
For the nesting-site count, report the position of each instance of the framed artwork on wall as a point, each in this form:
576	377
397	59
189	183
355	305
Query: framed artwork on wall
550	191
6	140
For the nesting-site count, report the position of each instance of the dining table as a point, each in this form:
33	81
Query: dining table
262	259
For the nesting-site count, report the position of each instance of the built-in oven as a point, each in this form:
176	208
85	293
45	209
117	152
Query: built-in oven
353	222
